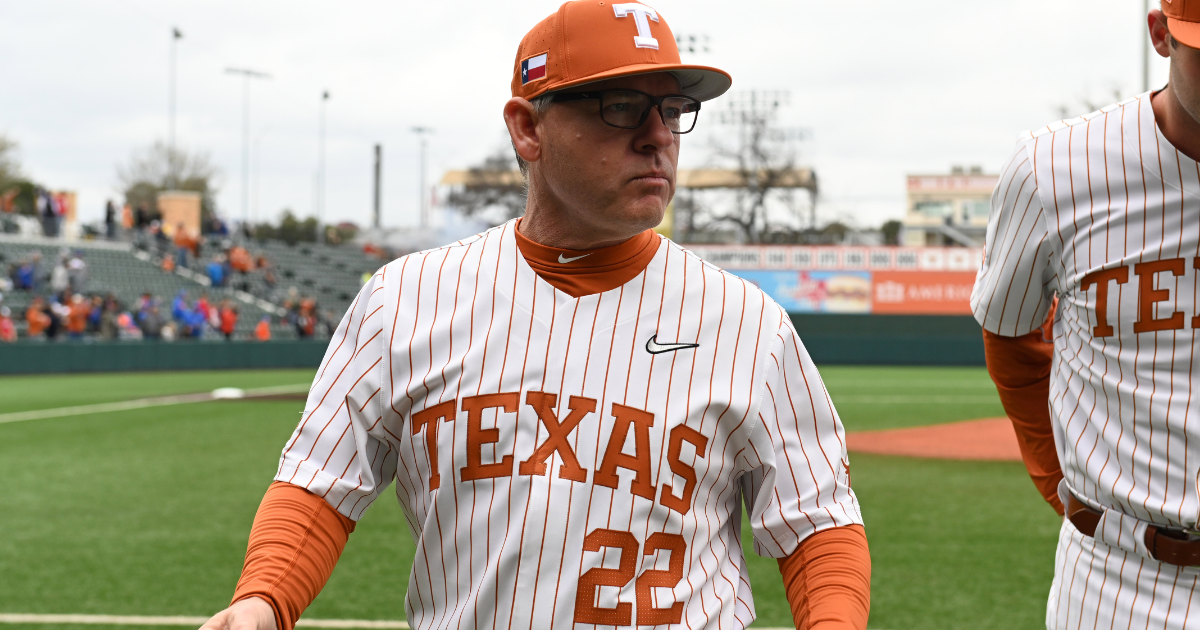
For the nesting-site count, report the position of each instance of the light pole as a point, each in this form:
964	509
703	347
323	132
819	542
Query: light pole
1145	47
176	35
246	76
321	171
423	133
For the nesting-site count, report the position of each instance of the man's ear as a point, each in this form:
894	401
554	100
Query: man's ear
1160	37
522	122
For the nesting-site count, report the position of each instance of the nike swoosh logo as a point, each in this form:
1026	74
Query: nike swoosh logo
653	347
564	261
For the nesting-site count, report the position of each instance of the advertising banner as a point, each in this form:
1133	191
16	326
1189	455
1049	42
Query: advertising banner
880	292
923	292
814	291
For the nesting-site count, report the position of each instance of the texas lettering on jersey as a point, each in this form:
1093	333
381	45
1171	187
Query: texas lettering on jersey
1150	297
628	422
567	460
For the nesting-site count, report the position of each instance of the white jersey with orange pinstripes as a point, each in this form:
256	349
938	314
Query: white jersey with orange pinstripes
1104	213
565	460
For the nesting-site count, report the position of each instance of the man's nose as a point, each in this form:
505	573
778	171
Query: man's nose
654	135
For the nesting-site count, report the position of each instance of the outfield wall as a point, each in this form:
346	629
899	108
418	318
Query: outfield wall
891	339
31	357
830	339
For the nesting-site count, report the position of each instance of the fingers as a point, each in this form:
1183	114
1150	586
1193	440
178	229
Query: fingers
248	614
217	622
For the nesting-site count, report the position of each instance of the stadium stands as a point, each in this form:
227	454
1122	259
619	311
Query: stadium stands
330	275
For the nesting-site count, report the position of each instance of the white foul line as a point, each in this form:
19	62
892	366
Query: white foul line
915	399
140	620
42	414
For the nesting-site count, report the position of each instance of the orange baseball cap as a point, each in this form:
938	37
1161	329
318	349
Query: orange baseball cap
1183	20
591	40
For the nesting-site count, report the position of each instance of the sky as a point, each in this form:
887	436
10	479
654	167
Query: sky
885	88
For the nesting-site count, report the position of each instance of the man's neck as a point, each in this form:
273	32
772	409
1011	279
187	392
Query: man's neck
546	224
1176	124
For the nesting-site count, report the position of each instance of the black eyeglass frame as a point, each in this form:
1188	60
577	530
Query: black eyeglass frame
656	102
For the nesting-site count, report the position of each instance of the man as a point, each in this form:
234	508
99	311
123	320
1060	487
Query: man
1102	212
573	408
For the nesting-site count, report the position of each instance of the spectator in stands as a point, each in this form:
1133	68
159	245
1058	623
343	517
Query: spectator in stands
8	330
229	317
126	218
60	279
241	262
24	275
168	264
203	307
180	307
151	322
306	321
77	316
77	272
60	309
127	327
262	330
183	245
45	210
37	318
110	220
95	312
109	326
216	271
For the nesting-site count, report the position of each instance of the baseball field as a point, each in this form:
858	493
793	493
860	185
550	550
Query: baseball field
143	509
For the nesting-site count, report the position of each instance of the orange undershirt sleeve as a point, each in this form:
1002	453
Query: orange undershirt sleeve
1020	367
828	580
296	540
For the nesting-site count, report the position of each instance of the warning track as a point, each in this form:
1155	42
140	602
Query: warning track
991	439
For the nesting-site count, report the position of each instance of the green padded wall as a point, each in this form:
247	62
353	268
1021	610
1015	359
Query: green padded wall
39	358
830	340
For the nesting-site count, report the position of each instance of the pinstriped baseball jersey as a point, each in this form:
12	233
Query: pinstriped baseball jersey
569	460
1103	211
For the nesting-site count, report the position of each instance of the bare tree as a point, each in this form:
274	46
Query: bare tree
492	189
158	167
763	156
10	168
17	193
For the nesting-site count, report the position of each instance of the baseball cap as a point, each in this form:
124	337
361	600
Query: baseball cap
1183	20
593	40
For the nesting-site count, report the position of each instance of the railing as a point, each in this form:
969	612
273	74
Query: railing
845	257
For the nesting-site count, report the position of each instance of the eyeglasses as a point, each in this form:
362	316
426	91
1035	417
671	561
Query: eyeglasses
628	109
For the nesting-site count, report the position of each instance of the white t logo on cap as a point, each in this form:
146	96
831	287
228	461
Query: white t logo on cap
640	12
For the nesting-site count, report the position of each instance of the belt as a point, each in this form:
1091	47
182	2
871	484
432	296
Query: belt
1165	545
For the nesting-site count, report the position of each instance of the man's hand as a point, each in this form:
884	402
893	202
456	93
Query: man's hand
252	613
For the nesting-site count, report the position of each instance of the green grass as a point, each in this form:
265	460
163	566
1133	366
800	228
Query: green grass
869	398
147	512
42	391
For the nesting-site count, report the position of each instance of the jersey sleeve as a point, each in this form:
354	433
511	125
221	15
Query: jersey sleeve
798	482
338	451
1015	286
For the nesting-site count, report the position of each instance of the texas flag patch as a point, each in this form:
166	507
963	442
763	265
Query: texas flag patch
533	68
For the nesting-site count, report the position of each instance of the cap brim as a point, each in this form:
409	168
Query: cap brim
699	82
1188	33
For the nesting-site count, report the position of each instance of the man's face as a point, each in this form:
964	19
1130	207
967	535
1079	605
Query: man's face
1185	78
611	181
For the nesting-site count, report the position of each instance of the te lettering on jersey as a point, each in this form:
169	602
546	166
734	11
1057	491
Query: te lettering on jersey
626	420
1149	295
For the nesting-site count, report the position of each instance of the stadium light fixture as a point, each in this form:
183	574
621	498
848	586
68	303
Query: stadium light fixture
246	75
